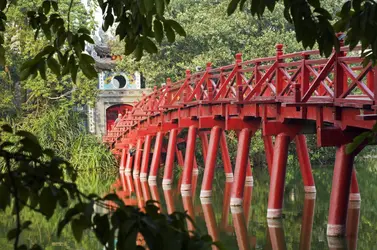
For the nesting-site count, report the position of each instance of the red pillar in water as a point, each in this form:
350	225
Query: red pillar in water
340	192
210	220
138	153
241	165
305	166
307	221
353	219
189	159
225	157
156	157
277	179
180	157
240	228
145	159
210	163
123	159
169	164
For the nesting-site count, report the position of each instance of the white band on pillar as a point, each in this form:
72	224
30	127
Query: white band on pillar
186	193
206	200
166	182
249	181
335	242
236	209
235	201
143	176
354	205
228	176
335	230
274	223
152	182
135	173
166	187
128	170
185	187
195	171
355	197
205	193
310	189
274	213
310	196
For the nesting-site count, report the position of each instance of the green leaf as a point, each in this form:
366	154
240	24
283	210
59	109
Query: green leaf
357	141
160	7
149	46
86	59
54	65
12	234
130	46
177	27
232	7
148	4
74	69
138	53
86	37
102	228
36	247
7	128
314	3
84	31
78	226
46	6
158	30
54	5
169	32
47	202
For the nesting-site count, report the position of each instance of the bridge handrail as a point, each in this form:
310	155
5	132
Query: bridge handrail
298	80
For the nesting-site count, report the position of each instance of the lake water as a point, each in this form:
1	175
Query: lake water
302	227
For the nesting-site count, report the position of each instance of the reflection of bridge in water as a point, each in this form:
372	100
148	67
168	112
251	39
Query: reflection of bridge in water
234	220
286	96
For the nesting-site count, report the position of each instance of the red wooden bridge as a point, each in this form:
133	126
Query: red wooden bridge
286	96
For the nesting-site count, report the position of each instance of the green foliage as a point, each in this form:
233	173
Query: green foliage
33	178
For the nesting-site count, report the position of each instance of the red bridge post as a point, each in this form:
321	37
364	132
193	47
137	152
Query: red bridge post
168	195
169	164
145	159
241	166
129	163
305	166
204	140
156	158
240	228
123	160
189	159
138	153
277	179
209	218
341	183
353	218
276	233
226	158
210	162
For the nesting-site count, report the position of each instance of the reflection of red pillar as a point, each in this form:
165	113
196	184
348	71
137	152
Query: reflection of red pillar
180	157
225	157
277	179
340	192
275	228
210	162
155	195
145	159
138	153
226	205
307	221
209	218
247	199
336	243
269	149
156	157
204	140
188	206
169	164
353	218
139	193
130	161
189	159
145	189
241	165
240	228
168	195
354	191
305	166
